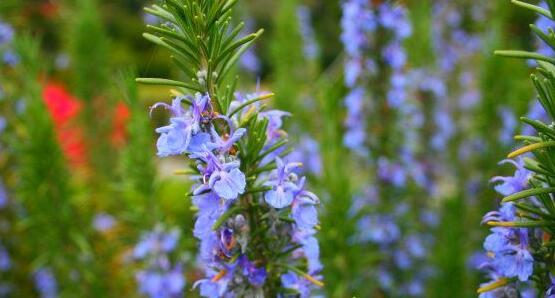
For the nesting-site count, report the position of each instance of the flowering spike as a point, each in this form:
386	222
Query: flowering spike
224	136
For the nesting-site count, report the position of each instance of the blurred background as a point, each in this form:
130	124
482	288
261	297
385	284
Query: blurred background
400	133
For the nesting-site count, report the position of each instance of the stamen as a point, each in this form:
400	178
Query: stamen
219	275
494	285
313	280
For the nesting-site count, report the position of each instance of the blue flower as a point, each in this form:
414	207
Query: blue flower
45	283
6	33
283	189
357	21
275	123
5	261
394	17
515	183
509	246
103	222
3	196
256	276
291	280
393	173
224	178
223	145
550	293
184	124
394	55
380	229
10	58
310	47
308	152
156	242
305	215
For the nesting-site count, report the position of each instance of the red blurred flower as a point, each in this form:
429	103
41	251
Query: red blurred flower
119	125
64	109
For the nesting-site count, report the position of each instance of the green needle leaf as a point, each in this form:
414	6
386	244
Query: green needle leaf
528	193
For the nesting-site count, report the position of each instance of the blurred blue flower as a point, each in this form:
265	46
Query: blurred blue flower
3	196
103	222
310	47
380	229
10	58
5	261
46	283
308	153
156	242
6	33
156	284
509	125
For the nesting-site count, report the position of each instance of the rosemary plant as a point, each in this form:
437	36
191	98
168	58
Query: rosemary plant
520	245
255	221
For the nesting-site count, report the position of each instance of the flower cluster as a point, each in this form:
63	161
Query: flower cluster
509	250
404	244
255	221
226	233
310	46
160	277
7	55
363	27
457	45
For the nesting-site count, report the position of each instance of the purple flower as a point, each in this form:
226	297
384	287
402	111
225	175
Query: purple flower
184	124
357	21
6	33
394	17
10	58
394	55
550	293
103	222
283	189
390	172
224	178
308	152
223	145
509	246
3	196
256	276
291	280
385	279
515	183
380	229
159	284
5	261
156	242
305	215
274	124
45	283
310	47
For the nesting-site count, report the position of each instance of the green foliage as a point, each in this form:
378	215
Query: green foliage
290	69
50	224
138	169
90	59
88	49
203	44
